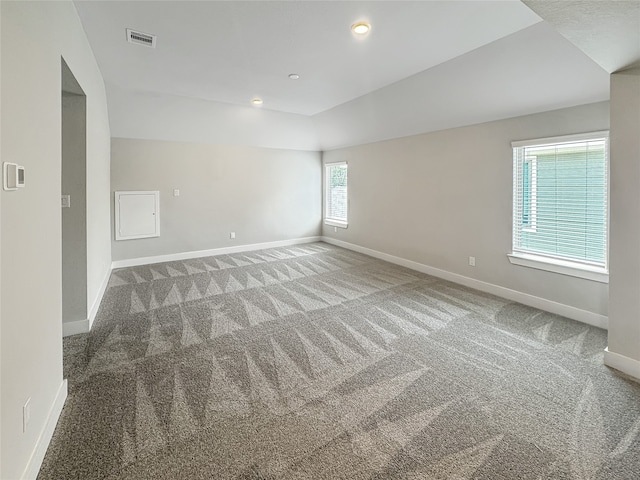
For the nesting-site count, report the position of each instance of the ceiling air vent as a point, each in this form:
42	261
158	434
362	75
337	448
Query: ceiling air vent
141	38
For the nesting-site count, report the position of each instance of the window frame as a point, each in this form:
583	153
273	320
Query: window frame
334	222
551	263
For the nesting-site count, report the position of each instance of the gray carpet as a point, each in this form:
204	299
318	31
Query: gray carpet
314	362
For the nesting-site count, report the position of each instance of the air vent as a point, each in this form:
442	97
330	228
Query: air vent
141	38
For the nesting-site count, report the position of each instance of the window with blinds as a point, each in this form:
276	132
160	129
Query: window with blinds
560	196
336	205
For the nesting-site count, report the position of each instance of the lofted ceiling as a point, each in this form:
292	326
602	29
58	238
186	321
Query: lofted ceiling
425	65
233	51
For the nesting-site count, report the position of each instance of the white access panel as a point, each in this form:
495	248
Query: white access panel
137	215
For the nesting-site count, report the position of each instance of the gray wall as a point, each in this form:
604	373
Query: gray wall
74	219
441	197
624	307
35	35
261	194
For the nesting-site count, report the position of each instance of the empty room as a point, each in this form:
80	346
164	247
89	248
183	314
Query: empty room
317	240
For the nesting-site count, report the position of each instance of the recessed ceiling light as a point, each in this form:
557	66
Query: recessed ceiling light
294	76
360	28
257	101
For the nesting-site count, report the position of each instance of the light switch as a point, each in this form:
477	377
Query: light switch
13	175
65	201
176	192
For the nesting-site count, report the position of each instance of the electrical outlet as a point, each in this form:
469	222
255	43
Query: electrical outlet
472	261
26	414
232	235
65	201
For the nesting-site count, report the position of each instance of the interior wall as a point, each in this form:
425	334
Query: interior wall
624	295
35	36
74	219
263	195
441	197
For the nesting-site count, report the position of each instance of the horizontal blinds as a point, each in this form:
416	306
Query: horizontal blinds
560	200
336	208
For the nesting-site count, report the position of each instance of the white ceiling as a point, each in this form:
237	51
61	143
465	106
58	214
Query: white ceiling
233	51
531	71
607	31
426	65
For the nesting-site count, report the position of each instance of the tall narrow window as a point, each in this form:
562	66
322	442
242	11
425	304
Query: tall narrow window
336	200
560	196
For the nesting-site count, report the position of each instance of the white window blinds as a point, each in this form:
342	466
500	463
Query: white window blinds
336	192
560	196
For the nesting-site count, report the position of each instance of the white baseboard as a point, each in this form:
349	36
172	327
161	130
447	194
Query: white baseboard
35	462
620	362
84	326
134	262
75	328
584	316
98	300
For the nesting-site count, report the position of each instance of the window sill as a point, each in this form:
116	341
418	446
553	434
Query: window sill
336	223
560	266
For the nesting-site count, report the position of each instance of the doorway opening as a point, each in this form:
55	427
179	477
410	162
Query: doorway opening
74	204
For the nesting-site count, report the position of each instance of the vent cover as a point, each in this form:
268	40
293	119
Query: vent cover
141	38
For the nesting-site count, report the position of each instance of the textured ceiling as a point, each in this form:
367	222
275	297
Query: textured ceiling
607	31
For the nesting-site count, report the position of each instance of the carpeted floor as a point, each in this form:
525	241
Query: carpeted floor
314	362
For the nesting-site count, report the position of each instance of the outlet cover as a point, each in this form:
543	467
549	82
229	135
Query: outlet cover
232	235
65	201
472	261
176	192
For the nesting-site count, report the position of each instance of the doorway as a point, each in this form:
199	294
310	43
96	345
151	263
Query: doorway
74	204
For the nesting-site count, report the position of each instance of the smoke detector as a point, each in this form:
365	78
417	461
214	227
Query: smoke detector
140	38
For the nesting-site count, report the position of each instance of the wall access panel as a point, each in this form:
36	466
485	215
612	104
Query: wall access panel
137	215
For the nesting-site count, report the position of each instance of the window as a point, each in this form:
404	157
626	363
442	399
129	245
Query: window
560	204
529	193
336	203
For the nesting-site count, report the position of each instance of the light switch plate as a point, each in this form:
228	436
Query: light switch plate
65	201
13	176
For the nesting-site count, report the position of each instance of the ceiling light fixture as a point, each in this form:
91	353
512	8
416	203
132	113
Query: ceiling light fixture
257	101
360	28
294	76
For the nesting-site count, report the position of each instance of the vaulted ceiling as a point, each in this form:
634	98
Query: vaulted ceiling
234	51
424	66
